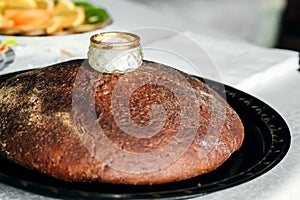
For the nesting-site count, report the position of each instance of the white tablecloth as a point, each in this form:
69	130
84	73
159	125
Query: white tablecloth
269	74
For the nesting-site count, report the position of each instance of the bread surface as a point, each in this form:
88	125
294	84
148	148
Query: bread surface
50	121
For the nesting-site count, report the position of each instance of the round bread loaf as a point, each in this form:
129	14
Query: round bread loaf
73	123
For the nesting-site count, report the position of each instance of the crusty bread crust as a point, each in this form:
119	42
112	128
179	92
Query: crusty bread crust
38	129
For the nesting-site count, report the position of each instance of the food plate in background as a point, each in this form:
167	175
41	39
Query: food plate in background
267	140
34	48
50	17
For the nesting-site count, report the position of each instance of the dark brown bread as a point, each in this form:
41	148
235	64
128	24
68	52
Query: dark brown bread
42	112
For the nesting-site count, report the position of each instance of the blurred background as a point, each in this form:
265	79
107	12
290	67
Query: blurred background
264	23
289	34
269	23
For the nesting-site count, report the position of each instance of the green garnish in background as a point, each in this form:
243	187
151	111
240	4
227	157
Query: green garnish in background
94	15
12	41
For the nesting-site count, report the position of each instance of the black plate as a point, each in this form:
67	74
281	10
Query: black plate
267	140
